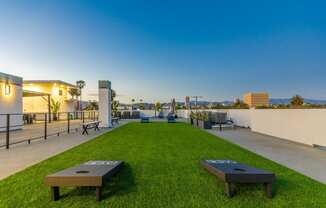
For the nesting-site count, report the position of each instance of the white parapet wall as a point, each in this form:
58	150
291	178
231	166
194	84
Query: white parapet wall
306	126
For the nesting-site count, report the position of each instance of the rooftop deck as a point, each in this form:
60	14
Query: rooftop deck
302	158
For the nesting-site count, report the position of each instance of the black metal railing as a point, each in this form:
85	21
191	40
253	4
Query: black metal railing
19	128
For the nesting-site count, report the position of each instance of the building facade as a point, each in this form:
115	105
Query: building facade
256	99
11	100
38	92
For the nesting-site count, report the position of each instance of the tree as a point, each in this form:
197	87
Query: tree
132	103
115	105
80	84
158	107
92	105
141	104
178	107
55	107
113	94
173	106
239	104
297	100
74	92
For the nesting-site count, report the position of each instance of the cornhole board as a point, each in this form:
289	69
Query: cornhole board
232	172
89	174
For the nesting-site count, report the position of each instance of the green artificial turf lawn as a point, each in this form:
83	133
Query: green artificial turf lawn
162	170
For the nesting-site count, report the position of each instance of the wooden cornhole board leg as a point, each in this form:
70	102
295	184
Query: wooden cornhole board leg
229	189
268	189
98	192
55	193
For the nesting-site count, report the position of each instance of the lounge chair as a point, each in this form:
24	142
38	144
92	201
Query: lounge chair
144	120
171	119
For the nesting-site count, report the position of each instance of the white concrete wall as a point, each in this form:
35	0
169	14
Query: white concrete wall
151	113
305	126
12	104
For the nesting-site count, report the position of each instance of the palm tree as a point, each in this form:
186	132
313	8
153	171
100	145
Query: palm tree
80	84
297	100
92	105
74	92
141	105
115	105
55	107
113	94
132	102
173	106
158	107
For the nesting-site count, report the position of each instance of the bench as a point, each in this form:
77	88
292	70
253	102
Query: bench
90	125
89	174
232	172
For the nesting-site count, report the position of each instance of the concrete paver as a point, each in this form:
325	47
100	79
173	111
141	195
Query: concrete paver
304	159
23	155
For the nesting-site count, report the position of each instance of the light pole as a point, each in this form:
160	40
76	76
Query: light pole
196	99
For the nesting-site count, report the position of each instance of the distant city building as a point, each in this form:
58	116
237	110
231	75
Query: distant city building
256	99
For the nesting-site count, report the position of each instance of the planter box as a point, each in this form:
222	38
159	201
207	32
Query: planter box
195	123
205	124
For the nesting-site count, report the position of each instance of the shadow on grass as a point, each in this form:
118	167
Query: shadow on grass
120	184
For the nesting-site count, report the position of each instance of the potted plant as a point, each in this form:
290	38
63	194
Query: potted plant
55	107
204	121
192	117
198	116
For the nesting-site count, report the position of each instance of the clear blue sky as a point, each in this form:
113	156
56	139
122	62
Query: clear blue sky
156	50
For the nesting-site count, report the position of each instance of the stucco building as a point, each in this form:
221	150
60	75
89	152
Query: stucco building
11	100
38	95
256	99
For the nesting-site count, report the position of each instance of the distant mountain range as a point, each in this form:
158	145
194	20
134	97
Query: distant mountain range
288	100
272	101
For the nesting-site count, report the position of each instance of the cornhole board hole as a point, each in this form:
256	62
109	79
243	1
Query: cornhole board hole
89	174
232	172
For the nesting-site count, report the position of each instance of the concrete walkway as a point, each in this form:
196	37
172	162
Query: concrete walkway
304	159
21	156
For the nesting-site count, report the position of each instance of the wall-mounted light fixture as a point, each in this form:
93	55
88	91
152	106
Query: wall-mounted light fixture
7	89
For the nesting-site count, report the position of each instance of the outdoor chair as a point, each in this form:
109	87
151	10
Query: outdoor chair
135	115
144	120
171	119
220	120
161	115
126	114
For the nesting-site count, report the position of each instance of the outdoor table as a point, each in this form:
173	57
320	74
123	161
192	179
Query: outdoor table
89	174
90	125
232	172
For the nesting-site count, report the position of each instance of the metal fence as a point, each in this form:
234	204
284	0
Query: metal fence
27	127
